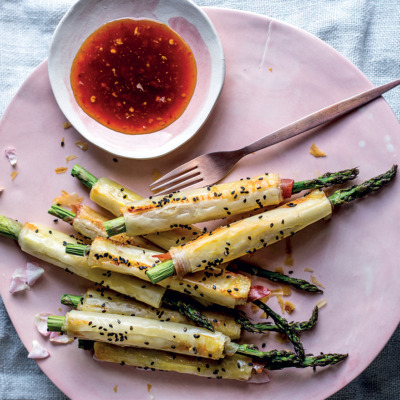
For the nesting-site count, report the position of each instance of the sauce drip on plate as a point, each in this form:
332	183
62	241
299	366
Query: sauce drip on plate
134	76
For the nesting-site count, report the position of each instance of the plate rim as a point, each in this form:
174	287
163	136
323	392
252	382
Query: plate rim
22	87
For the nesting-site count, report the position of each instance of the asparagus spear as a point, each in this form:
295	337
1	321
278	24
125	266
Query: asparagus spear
113	303
52	249
9	227
284	326
83	250
112	196
62	213
358	191
326	180
271	360
187	308
86	326
222	319
276	277
48	245
237	197
262	327
90	224
124	330
214	285
253	233
84	176
279	359
237	367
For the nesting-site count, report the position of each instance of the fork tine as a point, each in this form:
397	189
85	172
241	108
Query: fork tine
179	180
182	185
166	182
189	166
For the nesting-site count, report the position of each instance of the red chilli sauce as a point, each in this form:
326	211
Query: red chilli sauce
134	76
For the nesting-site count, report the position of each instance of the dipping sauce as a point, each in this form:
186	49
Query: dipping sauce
134	76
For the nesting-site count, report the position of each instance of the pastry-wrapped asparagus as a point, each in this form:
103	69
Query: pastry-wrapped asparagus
161	213
108	301
227	321
128	331
48	245
237	367
214	285
90	223
250	234
112	196
142	332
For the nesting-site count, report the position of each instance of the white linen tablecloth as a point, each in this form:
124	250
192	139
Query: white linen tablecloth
367	32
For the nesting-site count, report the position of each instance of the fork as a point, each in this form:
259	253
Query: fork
210	168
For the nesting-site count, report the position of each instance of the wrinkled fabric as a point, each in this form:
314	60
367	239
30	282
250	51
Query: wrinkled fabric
367	32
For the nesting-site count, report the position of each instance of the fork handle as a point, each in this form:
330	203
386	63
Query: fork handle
318	118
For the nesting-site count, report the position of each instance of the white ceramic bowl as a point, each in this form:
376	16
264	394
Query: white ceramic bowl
185	18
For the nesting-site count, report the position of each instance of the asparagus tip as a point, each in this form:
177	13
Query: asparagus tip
358	191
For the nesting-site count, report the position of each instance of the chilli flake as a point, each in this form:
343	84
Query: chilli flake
11	154
25	277
38	351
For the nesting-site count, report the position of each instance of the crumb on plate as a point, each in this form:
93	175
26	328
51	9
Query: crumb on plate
67	199
321	303
82	145
315	281
316	151
70	158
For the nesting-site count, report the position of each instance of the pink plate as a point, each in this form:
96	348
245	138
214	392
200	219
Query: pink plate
274	75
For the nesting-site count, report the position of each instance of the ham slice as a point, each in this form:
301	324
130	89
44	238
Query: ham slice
257	292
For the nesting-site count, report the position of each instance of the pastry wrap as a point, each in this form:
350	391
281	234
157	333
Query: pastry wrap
112	196
250	234
108	301
235	367
147	333
162	213
49	245
214	285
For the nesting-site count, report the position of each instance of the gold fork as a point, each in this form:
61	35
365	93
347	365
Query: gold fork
210	168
